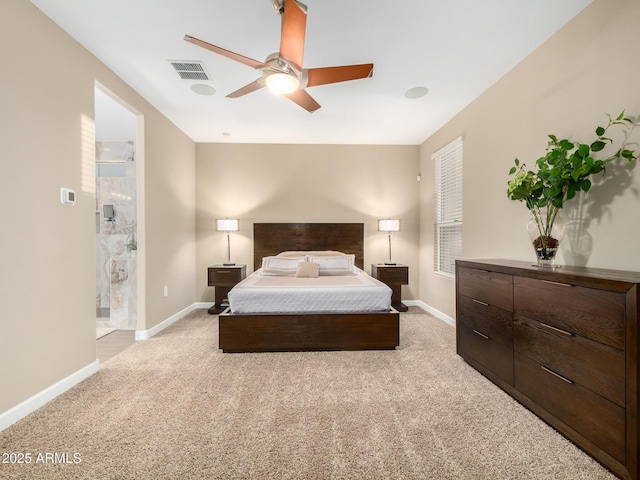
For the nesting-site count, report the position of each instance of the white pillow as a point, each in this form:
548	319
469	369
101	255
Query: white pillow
283	266
334	265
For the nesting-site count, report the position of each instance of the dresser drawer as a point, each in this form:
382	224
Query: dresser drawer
487	319
592	416
598	367
588	312
492	355
485	334
223	276
490	287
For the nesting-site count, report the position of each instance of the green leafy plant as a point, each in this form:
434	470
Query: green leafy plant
562	172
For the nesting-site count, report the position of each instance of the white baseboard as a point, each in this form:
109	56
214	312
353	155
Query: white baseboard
436	313
31	404
146	334
203	305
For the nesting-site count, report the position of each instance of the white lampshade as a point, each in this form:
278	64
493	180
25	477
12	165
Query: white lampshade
282	83
227	225
389	225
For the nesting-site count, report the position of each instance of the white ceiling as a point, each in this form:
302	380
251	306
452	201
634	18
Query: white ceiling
456	49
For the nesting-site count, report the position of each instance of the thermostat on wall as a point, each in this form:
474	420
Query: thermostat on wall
67	196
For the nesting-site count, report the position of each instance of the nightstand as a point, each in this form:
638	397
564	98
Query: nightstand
395	276
224	278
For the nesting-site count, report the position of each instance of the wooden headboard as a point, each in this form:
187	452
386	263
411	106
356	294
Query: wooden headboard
273	238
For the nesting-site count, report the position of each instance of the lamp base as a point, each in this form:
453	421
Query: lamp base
390	263
228	264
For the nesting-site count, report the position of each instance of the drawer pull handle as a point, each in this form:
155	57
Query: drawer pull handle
219	272
555	329
557	375
558	283
481	303
481	334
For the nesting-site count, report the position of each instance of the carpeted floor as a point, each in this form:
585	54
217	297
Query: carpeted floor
175	407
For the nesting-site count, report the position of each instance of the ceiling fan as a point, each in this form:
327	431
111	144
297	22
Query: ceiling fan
282	72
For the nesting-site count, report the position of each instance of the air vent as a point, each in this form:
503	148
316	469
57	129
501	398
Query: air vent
190	70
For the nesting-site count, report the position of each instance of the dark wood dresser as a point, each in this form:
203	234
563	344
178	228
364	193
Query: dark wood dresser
564	343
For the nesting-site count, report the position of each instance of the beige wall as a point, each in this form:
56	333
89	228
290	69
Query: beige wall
47	313
589	68
306	183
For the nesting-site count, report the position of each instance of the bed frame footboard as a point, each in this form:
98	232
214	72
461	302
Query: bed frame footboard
277	332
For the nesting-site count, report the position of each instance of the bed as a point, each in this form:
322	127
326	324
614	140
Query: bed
308	330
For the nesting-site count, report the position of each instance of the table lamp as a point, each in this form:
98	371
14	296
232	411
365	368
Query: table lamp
227	225
389	225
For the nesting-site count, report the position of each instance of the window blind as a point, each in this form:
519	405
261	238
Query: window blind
448	231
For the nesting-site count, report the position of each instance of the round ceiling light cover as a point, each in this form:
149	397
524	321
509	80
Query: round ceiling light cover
202	89
416	92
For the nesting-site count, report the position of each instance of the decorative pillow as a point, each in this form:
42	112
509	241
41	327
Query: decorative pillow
283	266
292	253
334	265
307	269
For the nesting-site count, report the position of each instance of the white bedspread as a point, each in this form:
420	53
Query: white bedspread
278	294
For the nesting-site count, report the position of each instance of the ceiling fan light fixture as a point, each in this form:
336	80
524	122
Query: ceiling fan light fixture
282	71
282	83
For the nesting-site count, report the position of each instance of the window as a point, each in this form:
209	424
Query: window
448	231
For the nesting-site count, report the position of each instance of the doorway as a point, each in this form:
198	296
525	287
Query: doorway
116	221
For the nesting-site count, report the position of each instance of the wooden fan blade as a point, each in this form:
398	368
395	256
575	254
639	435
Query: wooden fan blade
303	99
225	53
294	24
322	76
251	87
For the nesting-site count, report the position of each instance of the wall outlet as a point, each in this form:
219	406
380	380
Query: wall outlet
166	291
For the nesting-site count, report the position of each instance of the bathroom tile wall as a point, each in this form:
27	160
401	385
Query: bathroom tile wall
116	272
